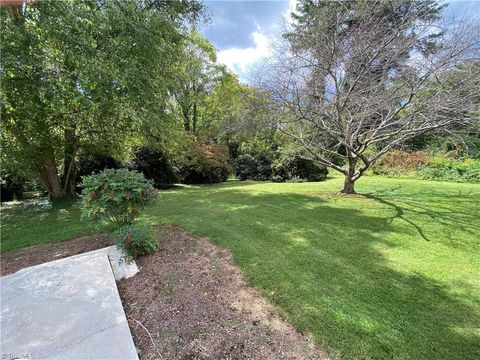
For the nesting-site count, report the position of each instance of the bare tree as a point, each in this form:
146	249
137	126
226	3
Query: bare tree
352	82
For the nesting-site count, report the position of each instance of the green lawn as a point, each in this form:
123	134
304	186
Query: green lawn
36	222
393	275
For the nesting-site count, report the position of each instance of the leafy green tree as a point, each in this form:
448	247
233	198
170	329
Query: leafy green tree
87	75
196	73
225	105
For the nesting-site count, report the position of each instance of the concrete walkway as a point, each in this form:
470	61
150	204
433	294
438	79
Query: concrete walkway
65	309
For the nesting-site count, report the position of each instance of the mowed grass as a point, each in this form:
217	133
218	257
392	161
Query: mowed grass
391	274
37	221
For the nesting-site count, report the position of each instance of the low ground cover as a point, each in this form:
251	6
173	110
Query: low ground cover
392	273
428	166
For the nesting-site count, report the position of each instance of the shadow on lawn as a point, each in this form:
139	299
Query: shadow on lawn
342	283
318	263
441	209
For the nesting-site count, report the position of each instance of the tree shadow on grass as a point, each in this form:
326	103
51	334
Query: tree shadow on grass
319	263
441	209
345	292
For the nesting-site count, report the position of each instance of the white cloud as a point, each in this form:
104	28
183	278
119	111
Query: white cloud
240	59
292	6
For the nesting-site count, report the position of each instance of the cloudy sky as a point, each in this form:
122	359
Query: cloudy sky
241	30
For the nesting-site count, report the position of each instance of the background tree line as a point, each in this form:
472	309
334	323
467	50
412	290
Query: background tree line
104	84
94	84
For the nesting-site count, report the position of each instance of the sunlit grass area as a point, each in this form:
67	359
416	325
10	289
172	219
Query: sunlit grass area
389	274
37	221
393	274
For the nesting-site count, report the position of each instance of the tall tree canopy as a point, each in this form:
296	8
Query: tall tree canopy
353	79
196	73
88	74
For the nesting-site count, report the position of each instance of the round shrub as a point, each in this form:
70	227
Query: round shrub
254	166
116	195
294	168
135	241
156	166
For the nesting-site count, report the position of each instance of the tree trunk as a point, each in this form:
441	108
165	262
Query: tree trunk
349	184
194	117
186	120
47	169
69	164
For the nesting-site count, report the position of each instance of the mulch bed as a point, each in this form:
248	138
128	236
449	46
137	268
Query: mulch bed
188	302
13	261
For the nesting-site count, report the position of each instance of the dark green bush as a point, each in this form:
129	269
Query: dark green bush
135	240
205	164
93	163
277	178
116	195
156	166
297	169
11	188
254	165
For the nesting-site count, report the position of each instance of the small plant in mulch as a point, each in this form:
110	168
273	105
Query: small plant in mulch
135	240
118	196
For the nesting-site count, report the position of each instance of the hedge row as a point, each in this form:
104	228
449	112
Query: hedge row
201	164
257	165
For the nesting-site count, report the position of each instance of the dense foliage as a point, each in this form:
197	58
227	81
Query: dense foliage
279	165
430	166
135	241
205	163
449	169
297	168
116	195
97	80
157	166
254	165
88	74
401	163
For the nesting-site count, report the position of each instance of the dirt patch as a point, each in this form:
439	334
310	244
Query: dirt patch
13	261
190	302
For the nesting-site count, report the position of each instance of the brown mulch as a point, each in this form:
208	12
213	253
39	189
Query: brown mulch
190	302
13	261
